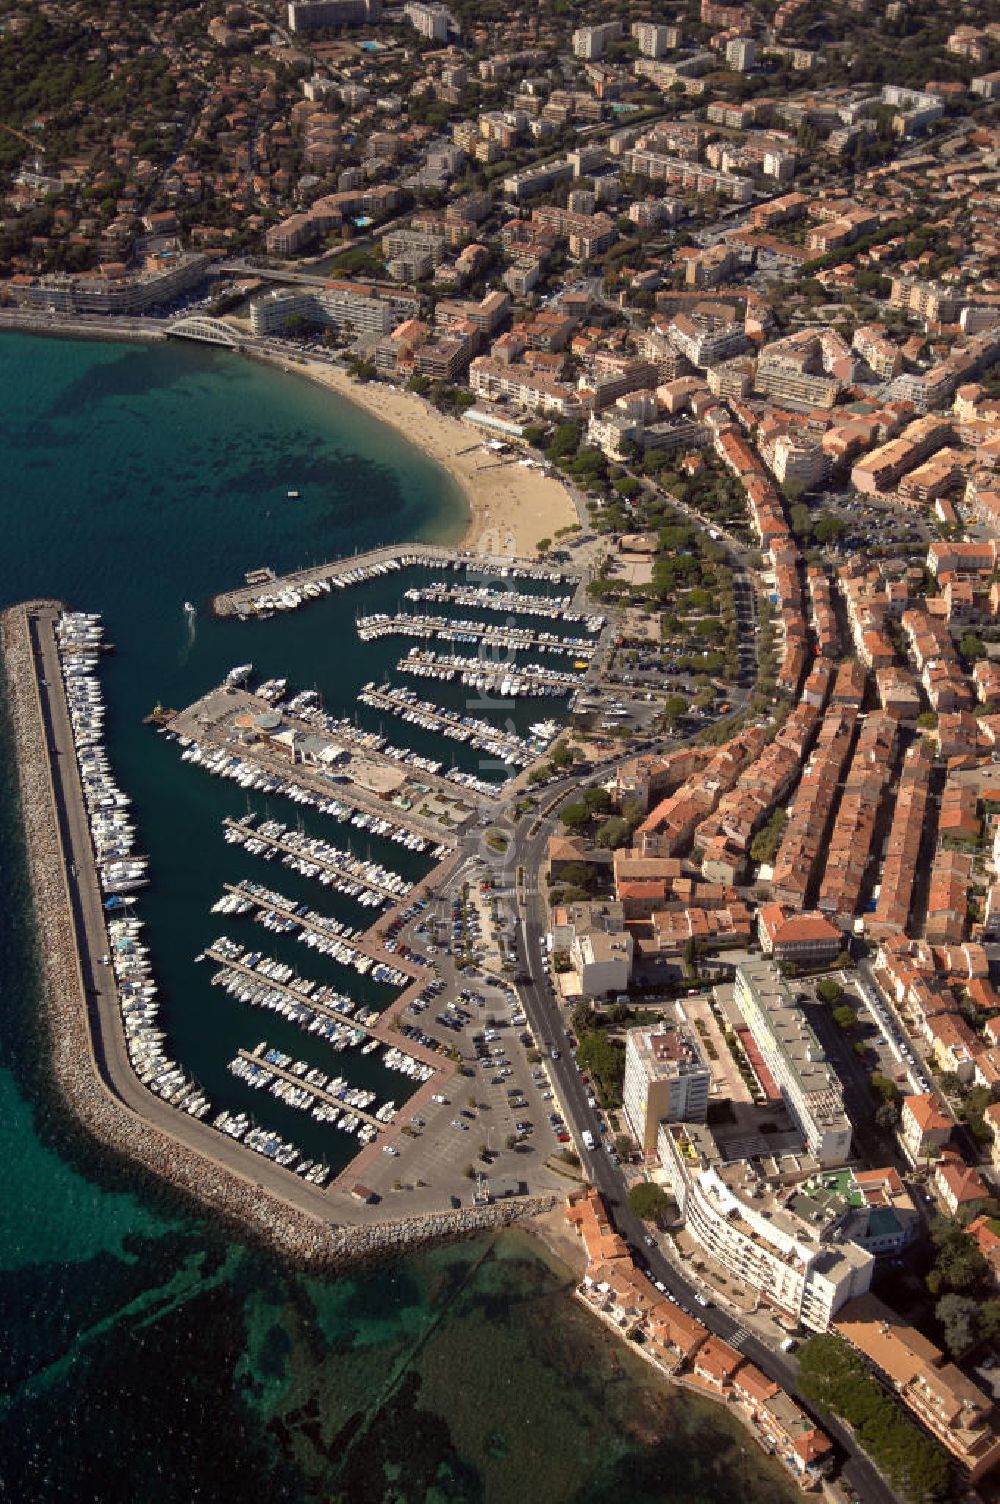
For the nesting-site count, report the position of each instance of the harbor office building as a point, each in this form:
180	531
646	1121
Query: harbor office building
795	1059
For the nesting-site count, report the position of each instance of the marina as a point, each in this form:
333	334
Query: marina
506	746
447	629
79	637
319	932
266	593
260	981
329	1100
368	883
509	602
509	680
242	737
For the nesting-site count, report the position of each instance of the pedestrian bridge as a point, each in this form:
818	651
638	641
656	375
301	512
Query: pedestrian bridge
209	331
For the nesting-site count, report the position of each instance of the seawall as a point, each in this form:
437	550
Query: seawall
86	1056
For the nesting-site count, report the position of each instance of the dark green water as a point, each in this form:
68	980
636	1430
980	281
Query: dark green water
147	1355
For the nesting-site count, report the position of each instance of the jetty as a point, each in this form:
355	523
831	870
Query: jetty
365	945
506	746
504	679
380	1028
336	1104
237	735
265	592
491	636
312	857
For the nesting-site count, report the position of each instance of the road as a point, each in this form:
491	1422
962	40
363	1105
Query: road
546	1023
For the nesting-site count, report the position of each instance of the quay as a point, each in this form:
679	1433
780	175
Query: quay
368	782
326	1227
261	595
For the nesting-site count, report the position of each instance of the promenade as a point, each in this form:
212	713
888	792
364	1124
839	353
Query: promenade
88	1057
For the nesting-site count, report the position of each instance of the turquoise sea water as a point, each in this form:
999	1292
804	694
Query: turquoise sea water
148	1355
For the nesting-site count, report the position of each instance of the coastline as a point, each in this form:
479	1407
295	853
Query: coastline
195	1169
511	507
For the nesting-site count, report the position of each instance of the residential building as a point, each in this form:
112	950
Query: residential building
947	1404
804	1272
794	1057
666	1077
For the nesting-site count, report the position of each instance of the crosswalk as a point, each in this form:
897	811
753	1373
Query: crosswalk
739	1337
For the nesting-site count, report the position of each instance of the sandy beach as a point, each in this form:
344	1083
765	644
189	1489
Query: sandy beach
511	506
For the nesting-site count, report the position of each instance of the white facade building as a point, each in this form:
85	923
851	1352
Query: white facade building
666	1077
795	1059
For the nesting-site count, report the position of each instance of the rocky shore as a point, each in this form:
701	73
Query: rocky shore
244	1203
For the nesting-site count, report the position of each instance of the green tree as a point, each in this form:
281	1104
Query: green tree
958	1267
613	833
957	1315
844	1017
575	816
649	1201
829	990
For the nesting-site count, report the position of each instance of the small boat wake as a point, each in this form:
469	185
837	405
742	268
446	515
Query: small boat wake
191	625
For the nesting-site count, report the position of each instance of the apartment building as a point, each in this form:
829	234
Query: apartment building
314	15
535	180
878	351
653	39
947	1404
159	283
518	383
591	42
803	1271
924	1126
885	466
665	169
351	307
807	940
666	1077
431	21
795	1059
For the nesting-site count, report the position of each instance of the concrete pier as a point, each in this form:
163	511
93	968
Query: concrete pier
367	782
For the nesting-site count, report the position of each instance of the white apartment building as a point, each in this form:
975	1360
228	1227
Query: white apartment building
655	40
741	54
602	962
355	309
132	293
520	384
804	1272
666	1077
589	42
432	21
795	1058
